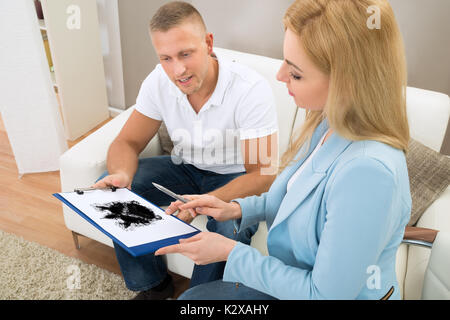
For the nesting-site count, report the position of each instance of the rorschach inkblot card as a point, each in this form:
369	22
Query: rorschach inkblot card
131	221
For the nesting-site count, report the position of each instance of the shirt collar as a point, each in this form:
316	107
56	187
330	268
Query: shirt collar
222	82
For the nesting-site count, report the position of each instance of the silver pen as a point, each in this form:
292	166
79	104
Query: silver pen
82	190
170	193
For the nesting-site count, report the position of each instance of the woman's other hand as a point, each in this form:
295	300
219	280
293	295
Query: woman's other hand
208	205
203	248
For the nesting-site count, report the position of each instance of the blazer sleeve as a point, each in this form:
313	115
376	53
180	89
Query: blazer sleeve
253	210
360	212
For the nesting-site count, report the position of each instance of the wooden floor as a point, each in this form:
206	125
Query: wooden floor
28	209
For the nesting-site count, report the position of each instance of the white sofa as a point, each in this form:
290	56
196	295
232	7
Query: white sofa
428	114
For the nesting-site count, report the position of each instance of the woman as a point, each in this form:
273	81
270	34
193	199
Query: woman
337	212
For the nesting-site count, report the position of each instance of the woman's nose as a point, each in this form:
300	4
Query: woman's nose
281	74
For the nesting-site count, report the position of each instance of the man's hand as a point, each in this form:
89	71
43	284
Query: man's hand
185	215
119	180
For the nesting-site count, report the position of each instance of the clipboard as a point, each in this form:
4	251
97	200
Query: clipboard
167	231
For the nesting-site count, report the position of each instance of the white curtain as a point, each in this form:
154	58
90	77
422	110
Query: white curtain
28	102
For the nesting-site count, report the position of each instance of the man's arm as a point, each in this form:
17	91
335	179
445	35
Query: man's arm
122	159
260	155
261	163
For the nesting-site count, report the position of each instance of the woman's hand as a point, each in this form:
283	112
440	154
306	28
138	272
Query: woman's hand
186	215
203	248
208	205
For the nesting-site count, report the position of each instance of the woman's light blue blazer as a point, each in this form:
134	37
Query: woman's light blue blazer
335	233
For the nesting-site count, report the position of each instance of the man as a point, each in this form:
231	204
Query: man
208	105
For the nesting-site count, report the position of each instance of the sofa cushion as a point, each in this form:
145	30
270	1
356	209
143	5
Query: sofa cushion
429	176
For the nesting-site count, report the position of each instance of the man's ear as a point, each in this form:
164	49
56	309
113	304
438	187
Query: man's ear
209	38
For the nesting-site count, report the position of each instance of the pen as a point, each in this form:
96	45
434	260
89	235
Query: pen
82	190
170	193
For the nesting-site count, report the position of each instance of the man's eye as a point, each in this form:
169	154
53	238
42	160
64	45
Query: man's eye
294	76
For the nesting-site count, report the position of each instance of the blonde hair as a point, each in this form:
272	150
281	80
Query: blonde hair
366	67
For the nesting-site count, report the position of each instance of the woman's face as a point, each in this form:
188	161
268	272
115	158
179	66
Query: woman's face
305	82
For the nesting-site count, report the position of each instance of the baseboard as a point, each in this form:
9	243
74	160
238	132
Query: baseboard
113	112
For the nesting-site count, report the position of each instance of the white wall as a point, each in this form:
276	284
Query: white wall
253	26
28	104
108	16
127	50
425	26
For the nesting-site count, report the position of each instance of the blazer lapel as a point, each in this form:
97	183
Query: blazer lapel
314	172
284	177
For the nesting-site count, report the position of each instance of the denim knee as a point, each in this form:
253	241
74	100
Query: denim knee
245	236
227	229
221	290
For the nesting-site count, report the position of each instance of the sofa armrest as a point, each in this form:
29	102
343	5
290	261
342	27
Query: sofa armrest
420	236
435	217
436	282
82	164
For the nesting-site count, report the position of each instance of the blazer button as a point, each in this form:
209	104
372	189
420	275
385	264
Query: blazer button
234	231
237	285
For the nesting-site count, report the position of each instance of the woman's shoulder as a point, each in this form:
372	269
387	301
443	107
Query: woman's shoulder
373	167
372	164
374	153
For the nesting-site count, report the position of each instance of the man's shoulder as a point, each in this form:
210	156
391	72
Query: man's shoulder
155	86
157	77
242	73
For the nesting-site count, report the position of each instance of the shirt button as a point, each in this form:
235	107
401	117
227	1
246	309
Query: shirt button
234	231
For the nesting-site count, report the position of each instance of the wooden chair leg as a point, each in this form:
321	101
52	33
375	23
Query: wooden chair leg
75	240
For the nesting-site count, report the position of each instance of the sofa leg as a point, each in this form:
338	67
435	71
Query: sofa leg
75	240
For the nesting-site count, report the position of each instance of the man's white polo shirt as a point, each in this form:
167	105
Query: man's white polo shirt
241	107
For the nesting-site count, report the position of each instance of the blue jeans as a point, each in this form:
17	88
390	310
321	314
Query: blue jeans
147	271
220	290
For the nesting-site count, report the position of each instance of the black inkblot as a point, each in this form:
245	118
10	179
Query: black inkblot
128	214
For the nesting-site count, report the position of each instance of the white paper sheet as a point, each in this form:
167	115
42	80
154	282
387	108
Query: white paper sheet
135	234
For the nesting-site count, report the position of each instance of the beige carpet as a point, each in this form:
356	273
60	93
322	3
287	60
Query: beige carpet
31	271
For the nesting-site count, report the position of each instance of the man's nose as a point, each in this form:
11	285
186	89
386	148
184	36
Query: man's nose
179	68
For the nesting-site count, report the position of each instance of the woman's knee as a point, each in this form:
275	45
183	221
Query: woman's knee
205	291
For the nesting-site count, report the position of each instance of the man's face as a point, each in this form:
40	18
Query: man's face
183	52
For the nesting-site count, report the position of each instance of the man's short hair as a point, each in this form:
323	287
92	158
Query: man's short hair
173	14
